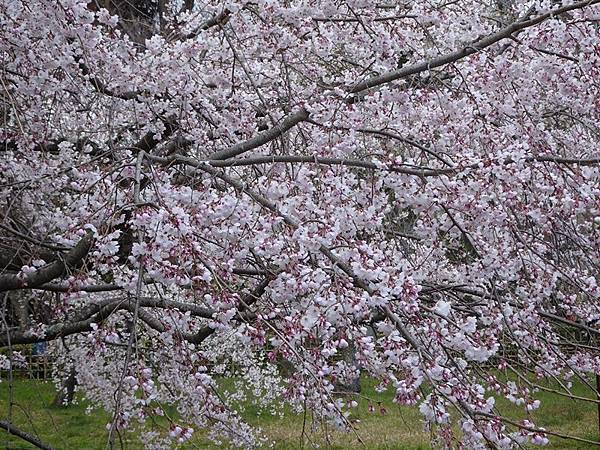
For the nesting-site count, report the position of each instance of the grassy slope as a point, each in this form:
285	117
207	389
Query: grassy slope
400	428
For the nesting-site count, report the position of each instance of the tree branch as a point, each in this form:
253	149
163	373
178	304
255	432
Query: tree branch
100	311
148	142
32	240
248	300
62	329
100	87
407	170
23	435
467	50
56	287
423	172
262	138
563	160
482	294
219	19
9	282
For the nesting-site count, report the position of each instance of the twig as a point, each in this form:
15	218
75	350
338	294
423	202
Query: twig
138	291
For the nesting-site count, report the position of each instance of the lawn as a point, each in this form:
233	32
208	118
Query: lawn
400	428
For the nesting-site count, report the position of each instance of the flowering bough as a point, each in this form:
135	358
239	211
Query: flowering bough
196	190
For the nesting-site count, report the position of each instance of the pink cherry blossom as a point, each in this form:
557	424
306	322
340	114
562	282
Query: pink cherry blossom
227	188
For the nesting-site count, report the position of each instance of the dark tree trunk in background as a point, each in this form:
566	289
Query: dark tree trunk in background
65	396
138	18
352	385
20	303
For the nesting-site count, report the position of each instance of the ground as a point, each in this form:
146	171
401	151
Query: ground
400	428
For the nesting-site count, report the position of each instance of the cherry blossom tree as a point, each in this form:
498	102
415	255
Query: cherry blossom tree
192	186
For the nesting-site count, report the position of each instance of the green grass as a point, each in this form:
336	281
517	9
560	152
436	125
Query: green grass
400	428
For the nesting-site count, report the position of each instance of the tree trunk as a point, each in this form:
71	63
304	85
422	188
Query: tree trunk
352	385
20	301
64	397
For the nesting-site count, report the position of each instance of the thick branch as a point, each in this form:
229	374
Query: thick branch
262	138
67	287
219	19
23	435
100	311
56	287
9	282
423	172
467	50
148	142
100	87
60	329
53	146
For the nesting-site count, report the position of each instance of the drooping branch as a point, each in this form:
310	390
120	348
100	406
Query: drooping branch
411	142
134	308
51	271
522	426
295	223
32	240
467	50
481	294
